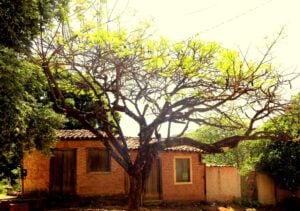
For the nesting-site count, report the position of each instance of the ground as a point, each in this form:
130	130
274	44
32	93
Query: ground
119	204
100	205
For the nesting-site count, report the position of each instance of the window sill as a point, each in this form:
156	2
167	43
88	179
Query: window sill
183	183
99	172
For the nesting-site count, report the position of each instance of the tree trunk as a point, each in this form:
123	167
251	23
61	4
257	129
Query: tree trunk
138	177
135	192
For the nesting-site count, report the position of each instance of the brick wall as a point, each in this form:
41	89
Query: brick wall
181	192
37	179
94	183
87	183
114	182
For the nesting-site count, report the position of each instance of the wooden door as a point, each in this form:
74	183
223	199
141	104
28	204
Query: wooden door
63	171
153	183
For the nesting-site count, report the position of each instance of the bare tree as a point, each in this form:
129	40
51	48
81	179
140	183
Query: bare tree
155	82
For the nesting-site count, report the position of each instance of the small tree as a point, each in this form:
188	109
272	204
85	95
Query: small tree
155	82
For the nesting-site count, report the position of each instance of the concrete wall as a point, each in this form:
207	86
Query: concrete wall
265	189
223	183
171	190
268	193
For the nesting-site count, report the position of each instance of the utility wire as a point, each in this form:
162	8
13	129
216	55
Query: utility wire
235	17
202	9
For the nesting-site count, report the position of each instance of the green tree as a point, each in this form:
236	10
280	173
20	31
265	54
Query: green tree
287	123
281	159
244	156
156	82
22	20
26	120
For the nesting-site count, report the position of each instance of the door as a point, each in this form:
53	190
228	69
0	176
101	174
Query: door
63	171
153	183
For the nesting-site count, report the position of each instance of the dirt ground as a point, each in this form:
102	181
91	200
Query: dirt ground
119	204
172	207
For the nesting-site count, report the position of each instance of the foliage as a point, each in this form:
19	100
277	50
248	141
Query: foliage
287	123
3	184
80	97
281	161
26	121
21	20
244	156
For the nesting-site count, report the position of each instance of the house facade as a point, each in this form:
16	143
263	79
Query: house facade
80	164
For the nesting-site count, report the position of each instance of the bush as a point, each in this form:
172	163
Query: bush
281	161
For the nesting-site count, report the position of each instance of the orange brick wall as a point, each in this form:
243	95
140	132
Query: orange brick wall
37	179
114	182
93	183
181	192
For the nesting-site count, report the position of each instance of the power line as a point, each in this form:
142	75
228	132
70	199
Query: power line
235	17
202	9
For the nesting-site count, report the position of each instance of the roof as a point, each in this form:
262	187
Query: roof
76	135
132	142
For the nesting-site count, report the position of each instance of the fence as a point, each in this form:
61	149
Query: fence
224	183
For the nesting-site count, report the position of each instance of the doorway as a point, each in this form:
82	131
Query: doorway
63	171
153	183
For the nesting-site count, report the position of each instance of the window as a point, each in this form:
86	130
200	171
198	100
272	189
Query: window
182	170
98	160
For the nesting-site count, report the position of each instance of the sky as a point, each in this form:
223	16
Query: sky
236	24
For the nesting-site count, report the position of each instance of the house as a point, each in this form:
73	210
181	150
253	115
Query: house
80	165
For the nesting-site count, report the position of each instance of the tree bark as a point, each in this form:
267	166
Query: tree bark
137	179
135	192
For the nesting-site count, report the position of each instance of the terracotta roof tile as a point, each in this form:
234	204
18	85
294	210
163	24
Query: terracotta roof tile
132	142
184	148
75	134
